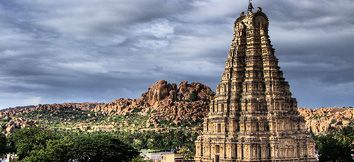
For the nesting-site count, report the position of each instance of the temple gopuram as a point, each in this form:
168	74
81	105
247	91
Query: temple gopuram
253	116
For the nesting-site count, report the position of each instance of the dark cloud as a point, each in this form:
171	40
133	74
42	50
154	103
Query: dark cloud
89	50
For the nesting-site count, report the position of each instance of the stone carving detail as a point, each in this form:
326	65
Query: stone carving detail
253	113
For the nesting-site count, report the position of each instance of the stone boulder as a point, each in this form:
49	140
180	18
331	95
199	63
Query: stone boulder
185	102
323	120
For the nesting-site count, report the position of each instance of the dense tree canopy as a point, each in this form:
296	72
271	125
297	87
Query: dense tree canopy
101	147
337	145
37	144
3	148
34	144
25	141
167	140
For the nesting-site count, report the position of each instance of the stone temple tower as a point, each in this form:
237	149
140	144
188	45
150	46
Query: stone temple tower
253	116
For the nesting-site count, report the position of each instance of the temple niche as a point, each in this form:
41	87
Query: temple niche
253	116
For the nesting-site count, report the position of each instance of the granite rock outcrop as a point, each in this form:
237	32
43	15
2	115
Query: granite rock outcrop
323	120
166	101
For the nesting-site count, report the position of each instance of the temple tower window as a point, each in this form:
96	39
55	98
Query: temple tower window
218	128
217	149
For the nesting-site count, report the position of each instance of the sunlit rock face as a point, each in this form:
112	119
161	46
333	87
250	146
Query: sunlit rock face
253	116
185	102
323	120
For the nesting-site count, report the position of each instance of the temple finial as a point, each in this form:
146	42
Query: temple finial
250	6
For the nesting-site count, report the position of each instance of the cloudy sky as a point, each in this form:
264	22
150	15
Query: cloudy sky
94	50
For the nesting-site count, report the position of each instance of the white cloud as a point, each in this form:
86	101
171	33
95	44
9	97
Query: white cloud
56	51
160	28
33	101
84	67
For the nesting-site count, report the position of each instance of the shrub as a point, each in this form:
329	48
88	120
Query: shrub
193	96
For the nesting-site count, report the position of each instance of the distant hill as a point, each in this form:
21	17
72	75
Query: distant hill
162	107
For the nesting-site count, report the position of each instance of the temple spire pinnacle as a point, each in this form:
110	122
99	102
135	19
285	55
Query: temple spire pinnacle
250	6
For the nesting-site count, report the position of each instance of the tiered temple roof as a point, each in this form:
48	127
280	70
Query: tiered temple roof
253	116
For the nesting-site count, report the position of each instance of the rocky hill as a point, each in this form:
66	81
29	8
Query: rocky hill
323	120
185	103
25	116
163	106
51	107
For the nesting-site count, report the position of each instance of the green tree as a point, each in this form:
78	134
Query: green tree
193	96
332	149
37	155
26	140
101	148
3	148
35	144
187	154
60	150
